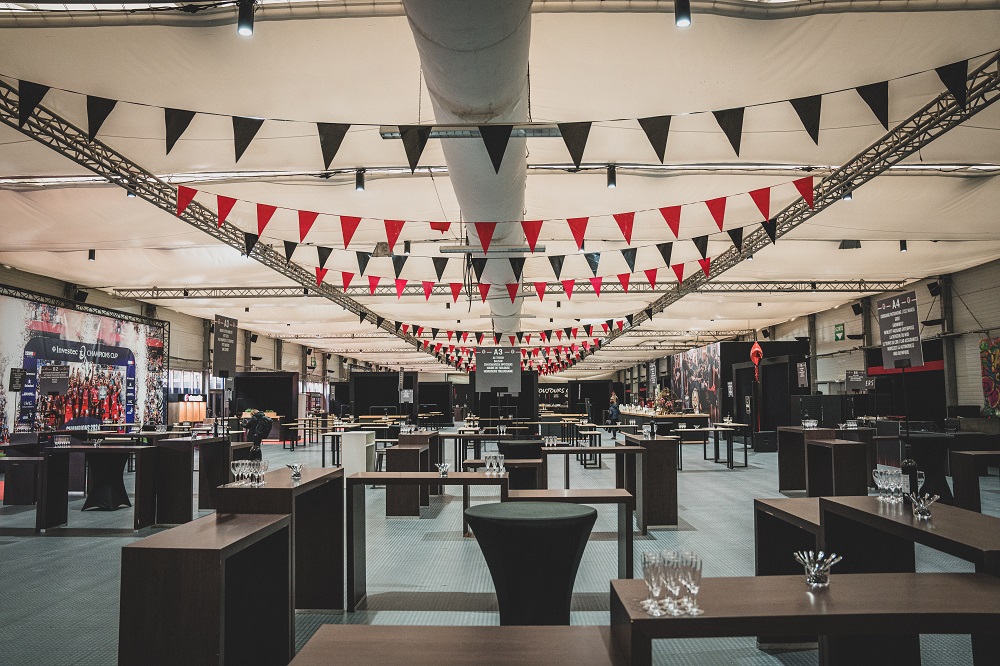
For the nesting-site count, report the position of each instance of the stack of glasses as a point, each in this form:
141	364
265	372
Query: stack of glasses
673	579
494	464
249	472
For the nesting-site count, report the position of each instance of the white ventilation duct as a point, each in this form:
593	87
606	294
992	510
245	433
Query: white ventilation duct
474	56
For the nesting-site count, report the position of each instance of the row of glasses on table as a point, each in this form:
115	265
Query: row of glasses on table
494	464
249	472
550	440
673	579
890	484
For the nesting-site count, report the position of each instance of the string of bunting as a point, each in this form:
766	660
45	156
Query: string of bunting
495	137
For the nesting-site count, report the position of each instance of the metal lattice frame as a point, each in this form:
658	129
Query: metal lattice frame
527	290
442	336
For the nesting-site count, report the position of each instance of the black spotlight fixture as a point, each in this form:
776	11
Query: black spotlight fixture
934	288
359	180
244	22
91	255
848	196
682	13
856	308
612	176
850	245
406	247
902	246
80	296
130	194
185	292
246	309
765	333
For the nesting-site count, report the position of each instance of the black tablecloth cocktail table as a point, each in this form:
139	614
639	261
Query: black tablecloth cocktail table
533	551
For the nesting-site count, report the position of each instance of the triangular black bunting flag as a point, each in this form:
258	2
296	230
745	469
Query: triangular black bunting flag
397	324
378	321
479	337
701	242
954	78
176	121
331	135
629	255
250	240
496	137
244	130
290	249
629	319
520	336
434	333
731	122
398	261
590	329
517	267
656	129
568	331
496	338
29	96
363	258
362	315
808	109
323	253
594	259
611	324
98	110
876	96
737	236
771	227
414	139
548	334
440	263
666	249
649	314
479	265
557	264
575	135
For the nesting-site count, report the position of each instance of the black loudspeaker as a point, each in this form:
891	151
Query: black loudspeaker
856	307
253	337
80	296
765	333
934	288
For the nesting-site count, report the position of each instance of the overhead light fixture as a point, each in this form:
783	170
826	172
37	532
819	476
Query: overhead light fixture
855	336
359	180
933	322
91	255
749	257
682	13
902	246
305	291
244	22
406	247
130	194
80	296
766	333
185	292
612	177
246	309
848	196
253	337
850	245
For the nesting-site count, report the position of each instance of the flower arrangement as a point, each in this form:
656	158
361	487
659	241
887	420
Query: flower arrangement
664	402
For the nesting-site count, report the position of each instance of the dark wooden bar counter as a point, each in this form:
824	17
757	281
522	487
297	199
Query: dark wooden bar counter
658	489
175	475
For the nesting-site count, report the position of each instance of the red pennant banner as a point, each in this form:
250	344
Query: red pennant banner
805	188
621	324
531	230
348	225
465	336
406	329
420	331
437	347
306	220
512	339
428	288
264	214
400	286
450	333
485	231
184	197
717	207
512	290
527	338
578	226
346	278
762	198
225	207
456	290
651	276
540	289
574	332
705	265
559	334
441	226
625	221
595	282
320	274
372	283
392	230
679	272
605	326
568	288
672	216
484	290
623	278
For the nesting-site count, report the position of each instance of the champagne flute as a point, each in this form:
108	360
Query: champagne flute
651	565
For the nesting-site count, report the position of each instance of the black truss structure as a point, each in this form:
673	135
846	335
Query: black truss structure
443	337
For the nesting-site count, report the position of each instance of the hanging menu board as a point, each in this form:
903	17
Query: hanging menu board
899	330
224	354
498	368
855	380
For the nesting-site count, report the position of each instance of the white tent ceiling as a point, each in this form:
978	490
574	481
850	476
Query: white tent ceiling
583	66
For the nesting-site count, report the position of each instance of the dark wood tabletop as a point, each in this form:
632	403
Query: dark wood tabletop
575	495
657	438
569	450
803	512
417	478
833	443
280	479
83	448
224	532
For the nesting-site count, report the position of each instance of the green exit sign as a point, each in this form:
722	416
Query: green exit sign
838	332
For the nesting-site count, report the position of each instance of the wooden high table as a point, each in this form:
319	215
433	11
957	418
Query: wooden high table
656	483
836	467
316	506
792	454
965	472
175	475
357	573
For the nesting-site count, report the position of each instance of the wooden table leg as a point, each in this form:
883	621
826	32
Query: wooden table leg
357	575
144	510
566	471
53	495
965	477
625	541
634	648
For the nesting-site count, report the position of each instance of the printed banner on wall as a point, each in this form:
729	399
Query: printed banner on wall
695	378
989	360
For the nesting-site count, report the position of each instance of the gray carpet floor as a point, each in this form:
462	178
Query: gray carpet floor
59	591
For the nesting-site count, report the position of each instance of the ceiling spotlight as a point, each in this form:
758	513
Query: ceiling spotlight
185	292
749	257
850	245
849	196
902	246
359	180
246	309
612	176
406	247
130	194
91	255
857	309
682	13
244	23
760	305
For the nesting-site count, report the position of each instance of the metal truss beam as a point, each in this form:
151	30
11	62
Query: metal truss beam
527	291
443	336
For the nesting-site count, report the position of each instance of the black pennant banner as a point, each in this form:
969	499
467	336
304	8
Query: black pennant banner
440	263
517	267
731	122
378	321
495	137
594	259
876	96
363	259
629	318
575	135
331	135
29	96
649	313
290	249
244	130
176	121
665	249
397	324
557	264
771	227
398	261
478	266
250	241
701	242
808	110
520	336
362	316
629	255
434	333
656	129
737	237
323	253
954	78
414	139
98	110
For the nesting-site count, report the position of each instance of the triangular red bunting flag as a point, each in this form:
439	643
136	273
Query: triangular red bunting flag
512	290
420	330
392	230
625	221
406	329
559	335
531	230
705	265
672	216
575	331
762	198
346	278
450	333
485	231
306	220
621	324
320	274
264	214
578	225
586	344
225	207
651	276
718	209
595	282
437	347
184	197
465	336
428	288
512	339
540	290
679	272
568	288
805	188
484	290
400	286
605	326
624	278
372	283
441	226
527	339
456	289
348	225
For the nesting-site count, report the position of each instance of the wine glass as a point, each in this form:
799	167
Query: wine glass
242	473
691	579
672	582
264	465
234	467
651	572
